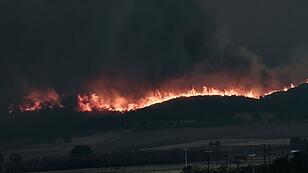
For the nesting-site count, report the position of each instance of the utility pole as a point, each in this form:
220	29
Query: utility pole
208	160
237	166
253	165
252	156
227	162
186	158
264	157
124	161
269	155
216	155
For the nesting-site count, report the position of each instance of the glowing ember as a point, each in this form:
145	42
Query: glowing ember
95	102
286	88
49	99
38	100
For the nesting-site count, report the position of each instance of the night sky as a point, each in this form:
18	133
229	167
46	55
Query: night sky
130	46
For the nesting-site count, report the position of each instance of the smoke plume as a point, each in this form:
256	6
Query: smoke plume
126	48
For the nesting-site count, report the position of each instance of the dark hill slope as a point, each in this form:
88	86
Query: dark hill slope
292	102
205	110
200	107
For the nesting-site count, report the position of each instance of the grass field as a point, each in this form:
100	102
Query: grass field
164	139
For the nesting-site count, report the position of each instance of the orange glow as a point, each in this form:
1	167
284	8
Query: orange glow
285	88
96	102
38	100
49	99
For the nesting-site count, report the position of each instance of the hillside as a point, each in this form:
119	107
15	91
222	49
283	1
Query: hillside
186	112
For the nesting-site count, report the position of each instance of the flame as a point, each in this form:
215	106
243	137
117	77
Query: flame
285	88
38	100
96	102
88	102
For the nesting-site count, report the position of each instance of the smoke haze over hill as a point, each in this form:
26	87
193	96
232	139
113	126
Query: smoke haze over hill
128	48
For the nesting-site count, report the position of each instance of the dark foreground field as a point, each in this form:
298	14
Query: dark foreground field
249	134
165	147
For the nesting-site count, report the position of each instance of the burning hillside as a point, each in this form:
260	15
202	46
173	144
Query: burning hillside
94	102
38	100
127	55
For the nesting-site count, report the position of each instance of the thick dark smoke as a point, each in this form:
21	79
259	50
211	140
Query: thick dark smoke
126	46
62	44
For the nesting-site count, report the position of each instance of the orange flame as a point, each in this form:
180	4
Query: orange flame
38	100
95	102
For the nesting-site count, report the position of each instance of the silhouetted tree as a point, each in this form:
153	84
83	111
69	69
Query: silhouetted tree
1	161
15	164
281	165
211	144
299	163
298	143
218	144
80	151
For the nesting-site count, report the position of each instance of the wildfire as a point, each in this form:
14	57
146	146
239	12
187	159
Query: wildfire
38	100
286	88
49	99
95	102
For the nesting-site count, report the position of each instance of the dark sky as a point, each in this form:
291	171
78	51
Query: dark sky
126	45
273	28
